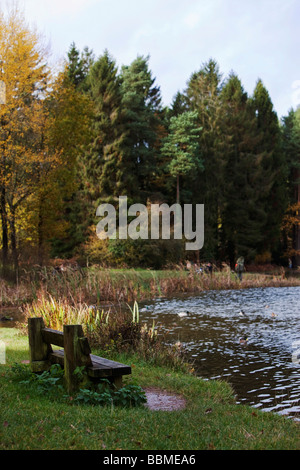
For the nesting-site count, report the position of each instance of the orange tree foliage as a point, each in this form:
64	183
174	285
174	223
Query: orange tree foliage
40	134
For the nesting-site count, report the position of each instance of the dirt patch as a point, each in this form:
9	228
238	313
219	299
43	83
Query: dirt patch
158	399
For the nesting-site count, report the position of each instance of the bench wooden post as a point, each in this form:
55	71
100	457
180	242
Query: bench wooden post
77	354
39	349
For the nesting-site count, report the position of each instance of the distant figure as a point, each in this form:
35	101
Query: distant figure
290	264
239	267
209	268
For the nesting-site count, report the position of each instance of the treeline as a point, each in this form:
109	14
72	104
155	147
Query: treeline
96	131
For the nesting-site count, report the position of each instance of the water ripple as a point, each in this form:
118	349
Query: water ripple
262	373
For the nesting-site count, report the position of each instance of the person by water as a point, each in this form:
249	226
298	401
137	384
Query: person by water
239	267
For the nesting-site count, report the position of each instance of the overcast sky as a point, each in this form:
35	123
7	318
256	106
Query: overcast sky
254	38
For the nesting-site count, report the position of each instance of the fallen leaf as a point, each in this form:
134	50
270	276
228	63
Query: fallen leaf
5	424
247	434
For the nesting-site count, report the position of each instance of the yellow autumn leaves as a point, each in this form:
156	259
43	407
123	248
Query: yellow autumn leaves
43	122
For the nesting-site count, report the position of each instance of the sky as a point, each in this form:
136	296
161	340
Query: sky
253	38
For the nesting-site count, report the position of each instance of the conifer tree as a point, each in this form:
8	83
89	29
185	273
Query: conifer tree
291	148
247	183
273	163
102	163
141	116
203	96
181	148
78	66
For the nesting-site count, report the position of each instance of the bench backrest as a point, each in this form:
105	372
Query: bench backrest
76	347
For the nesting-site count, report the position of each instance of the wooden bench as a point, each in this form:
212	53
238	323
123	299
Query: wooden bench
76	353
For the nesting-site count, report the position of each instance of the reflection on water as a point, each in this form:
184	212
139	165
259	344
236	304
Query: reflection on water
265	373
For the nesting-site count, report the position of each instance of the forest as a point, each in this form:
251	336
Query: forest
85	132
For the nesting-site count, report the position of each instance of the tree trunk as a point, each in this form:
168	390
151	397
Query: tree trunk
40	234
13	240
4	233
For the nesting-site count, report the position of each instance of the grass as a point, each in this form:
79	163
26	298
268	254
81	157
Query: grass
211	419
95	285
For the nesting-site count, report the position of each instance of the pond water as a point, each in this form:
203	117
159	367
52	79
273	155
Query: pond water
264	372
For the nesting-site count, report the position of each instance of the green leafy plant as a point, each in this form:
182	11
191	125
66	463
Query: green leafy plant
105	395
47	381
131	395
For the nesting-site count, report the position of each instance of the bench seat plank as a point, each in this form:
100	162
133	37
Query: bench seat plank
101	367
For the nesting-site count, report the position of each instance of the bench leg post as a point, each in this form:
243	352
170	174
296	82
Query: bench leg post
118	382
74	355
39	349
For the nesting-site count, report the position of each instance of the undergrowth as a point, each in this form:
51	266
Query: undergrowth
51	383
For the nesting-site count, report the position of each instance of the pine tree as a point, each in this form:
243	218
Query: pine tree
141	108
178	106
102	163
203	96
247	183
273	163
78	66
181	148
291	149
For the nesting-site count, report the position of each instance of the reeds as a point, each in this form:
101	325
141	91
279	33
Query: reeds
96	286
113	331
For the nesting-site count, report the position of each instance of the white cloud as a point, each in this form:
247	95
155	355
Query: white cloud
56	9
255	39
191	20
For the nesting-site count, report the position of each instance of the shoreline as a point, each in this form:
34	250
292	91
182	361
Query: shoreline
105	286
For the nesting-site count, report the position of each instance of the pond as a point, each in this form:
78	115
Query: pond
265	371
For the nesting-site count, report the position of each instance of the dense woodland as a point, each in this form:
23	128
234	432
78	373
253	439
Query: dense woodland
93	131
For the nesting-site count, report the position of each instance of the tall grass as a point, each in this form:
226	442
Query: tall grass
96	286
112	331
93	286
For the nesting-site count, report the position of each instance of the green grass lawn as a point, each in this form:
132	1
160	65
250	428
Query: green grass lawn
211	419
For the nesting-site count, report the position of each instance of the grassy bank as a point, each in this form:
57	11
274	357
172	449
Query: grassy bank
98	285
210	420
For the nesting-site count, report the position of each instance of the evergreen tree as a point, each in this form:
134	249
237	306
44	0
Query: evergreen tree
178	106
79	65
181	148
101	165
291	148
103	160
203	96
273	163
141	108
247	184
